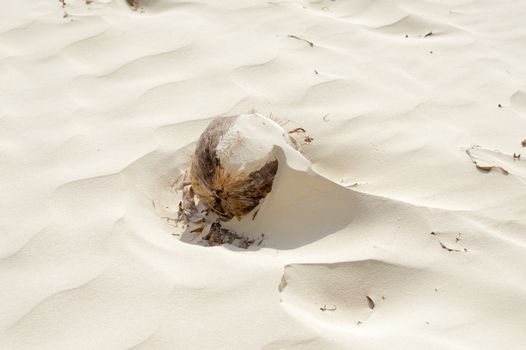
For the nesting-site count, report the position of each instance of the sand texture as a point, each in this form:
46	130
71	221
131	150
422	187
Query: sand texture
405	229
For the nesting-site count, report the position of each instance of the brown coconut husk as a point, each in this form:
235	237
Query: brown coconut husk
228	195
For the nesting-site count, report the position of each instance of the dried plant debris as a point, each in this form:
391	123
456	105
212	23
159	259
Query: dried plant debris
487	160
296	130
523	143
488	168
171	221
370	302
311	44
447	248
188	206
219	236
302	134
198	230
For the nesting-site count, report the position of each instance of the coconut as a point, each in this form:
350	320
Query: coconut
235	163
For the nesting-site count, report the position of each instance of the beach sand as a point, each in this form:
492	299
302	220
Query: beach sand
408	232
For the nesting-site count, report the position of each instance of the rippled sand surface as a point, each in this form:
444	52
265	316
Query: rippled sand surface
412	236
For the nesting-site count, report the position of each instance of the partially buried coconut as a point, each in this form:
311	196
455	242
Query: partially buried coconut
234	164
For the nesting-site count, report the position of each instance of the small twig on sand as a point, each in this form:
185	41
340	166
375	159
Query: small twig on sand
298	38
448	249
296	130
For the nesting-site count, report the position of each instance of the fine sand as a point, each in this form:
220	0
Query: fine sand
408	231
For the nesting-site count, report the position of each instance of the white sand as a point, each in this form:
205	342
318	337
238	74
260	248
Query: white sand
99	114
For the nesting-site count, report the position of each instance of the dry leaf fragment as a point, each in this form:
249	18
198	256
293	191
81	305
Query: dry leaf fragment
199	229
484	167
491	167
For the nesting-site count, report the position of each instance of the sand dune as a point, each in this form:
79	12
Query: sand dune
393	239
